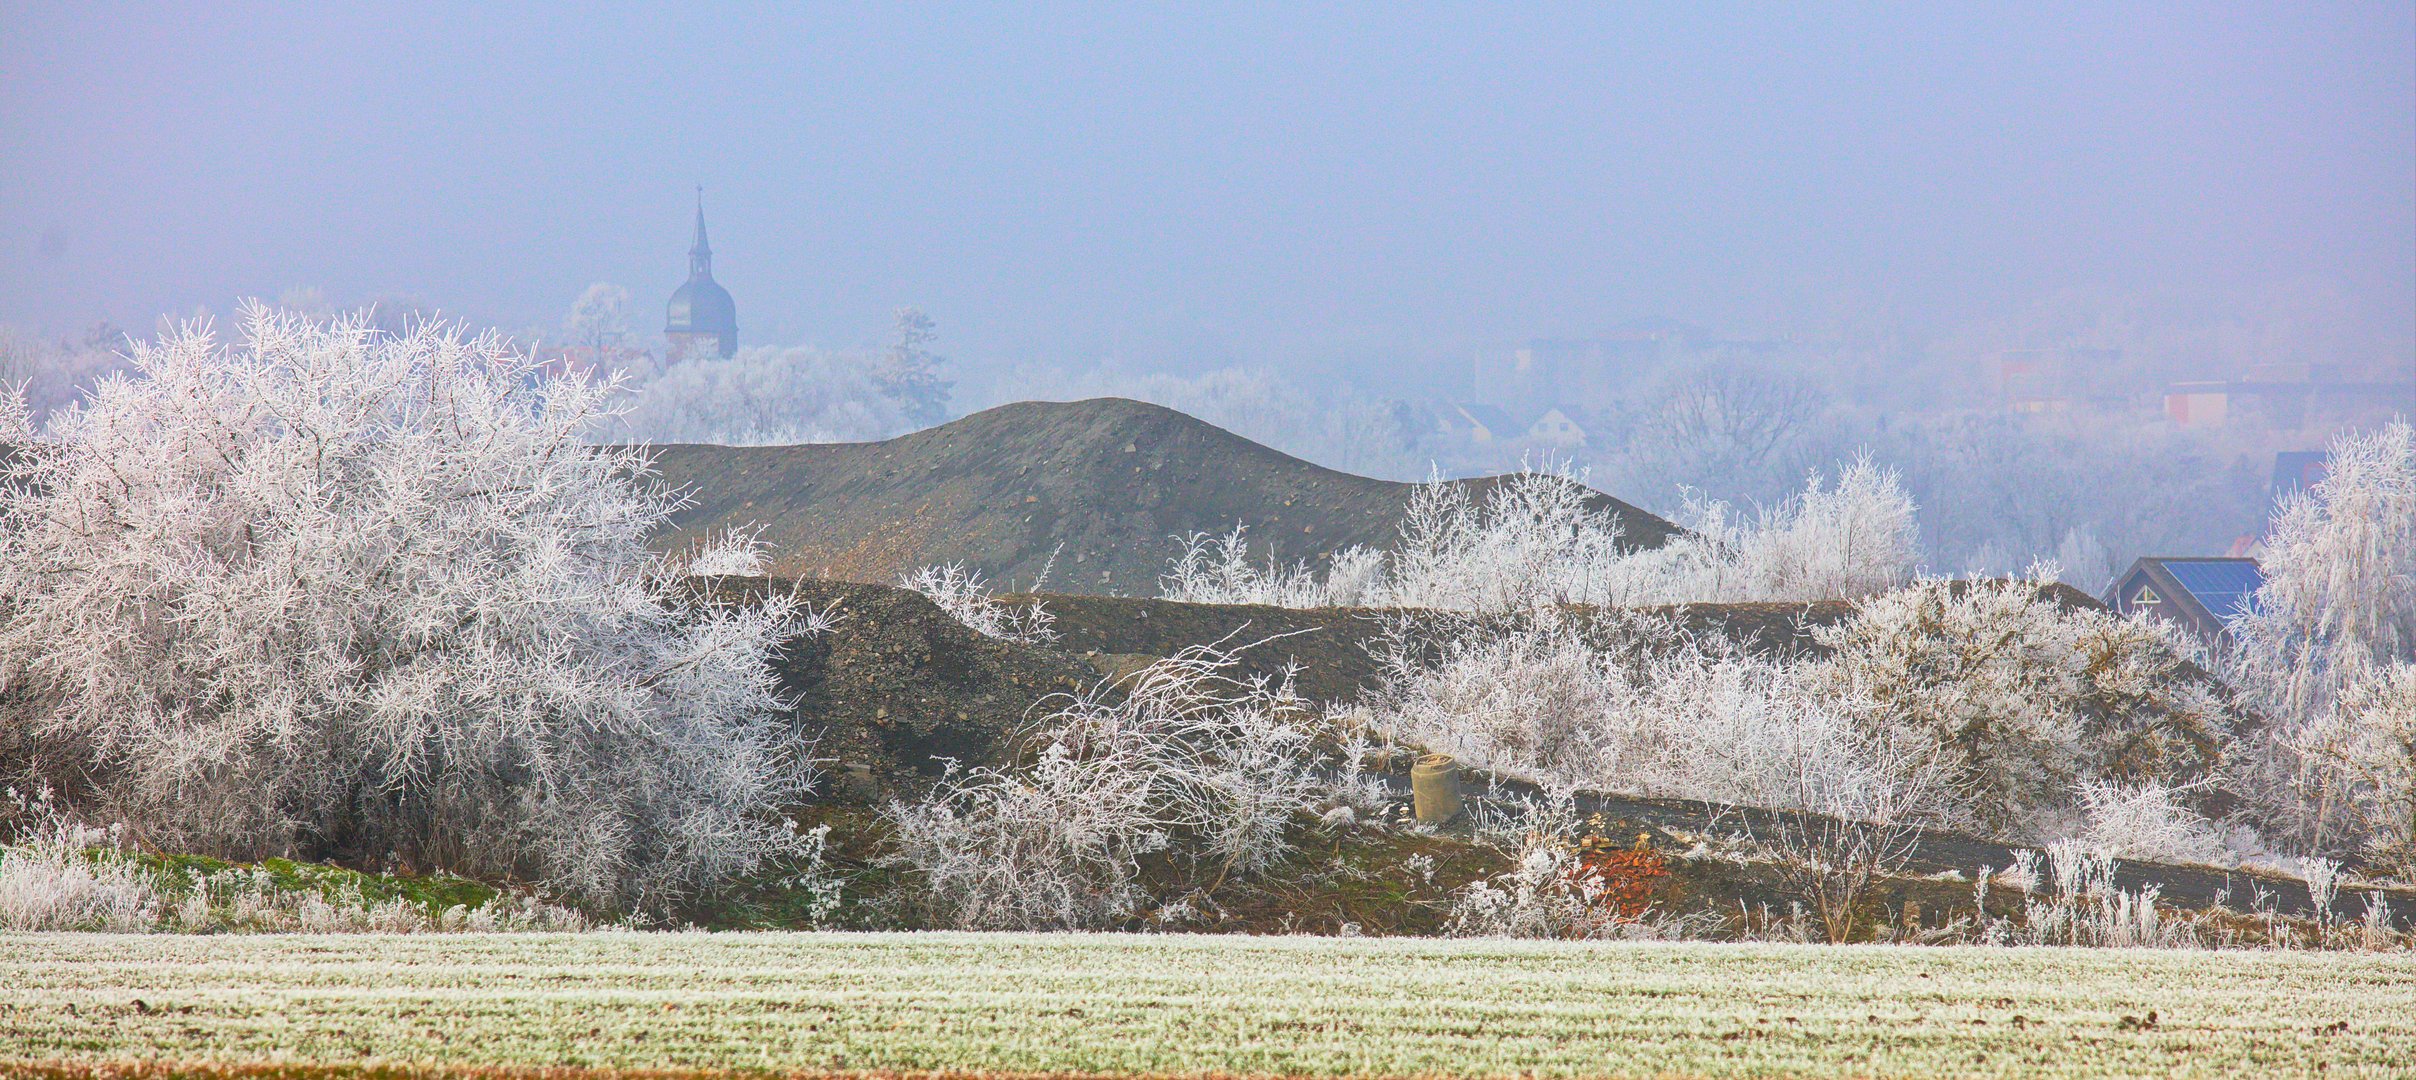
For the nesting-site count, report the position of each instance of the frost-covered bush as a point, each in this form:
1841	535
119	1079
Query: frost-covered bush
1532	540
963	594
1826	543
730	554
1546	893
1532	698
60	874
1535	539
1982	705
2024	698
2087	909
2147	821
1624	703
1179	757
1049	847
2322	650
1217	570
50	881
337	592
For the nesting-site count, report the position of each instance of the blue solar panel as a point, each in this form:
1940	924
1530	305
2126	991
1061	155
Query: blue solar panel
2225	587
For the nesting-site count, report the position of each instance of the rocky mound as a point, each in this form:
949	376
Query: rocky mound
1102	486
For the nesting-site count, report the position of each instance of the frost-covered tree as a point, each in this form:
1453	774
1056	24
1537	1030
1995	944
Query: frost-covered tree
599	318
2334	619
330	592
2084	563
1745	429
1977	704
2377	756
595	333
909	372
763	395
16	419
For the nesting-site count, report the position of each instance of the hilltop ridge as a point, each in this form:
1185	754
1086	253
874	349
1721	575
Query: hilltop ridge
1103	484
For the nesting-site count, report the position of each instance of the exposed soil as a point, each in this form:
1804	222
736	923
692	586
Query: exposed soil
1104	486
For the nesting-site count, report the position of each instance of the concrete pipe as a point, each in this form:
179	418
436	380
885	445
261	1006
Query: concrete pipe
1434	788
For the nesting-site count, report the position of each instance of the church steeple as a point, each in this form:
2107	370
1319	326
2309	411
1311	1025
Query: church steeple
701	320
700	256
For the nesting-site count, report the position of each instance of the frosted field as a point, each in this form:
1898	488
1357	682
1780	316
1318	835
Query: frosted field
1117	1004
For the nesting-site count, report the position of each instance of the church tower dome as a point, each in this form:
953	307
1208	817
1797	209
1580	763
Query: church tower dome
701	317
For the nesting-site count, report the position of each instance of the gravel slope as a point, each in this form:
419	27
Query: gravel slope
1103	485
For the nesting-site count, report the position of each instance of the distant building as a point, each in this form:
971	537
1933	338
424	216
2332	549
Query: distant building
1557	428
2052	380
2288	397
1492	425
2200	595
1484	425
702	319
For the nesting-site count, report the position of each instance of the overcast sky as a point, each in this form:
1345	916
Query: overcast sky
1200	185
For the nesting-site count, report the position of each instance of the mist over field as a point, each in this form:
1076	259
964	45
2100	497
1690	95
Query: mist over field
2078	274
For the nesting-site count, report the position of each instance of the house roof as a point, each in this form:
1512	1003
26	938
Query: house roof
1491	419
2296	469
2211	591
2224	587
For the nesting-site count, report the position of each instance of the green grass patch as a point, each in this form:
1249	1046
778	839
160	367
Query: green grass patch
177	874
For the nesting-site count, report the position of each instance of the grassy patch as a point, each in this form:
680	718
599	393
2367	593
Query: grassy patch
1109	1004
434	893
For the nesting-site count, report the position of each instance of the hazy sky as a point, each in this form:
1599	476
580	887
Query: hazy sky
1210	183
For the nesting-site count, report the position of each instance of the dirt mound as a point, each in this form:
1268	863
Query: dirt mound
897	688
1103	485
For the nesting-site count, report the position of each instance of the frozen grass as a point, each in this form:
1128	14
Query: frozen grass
1183	1005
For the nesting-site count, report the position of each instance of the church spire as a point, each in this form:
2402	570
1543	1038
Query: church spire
700	257
701	320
